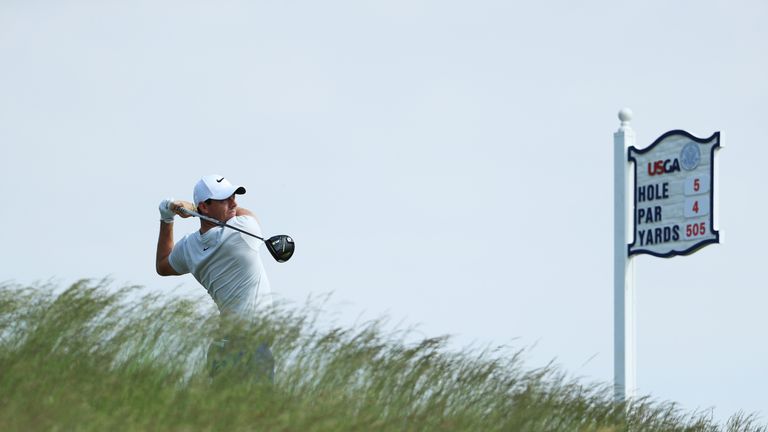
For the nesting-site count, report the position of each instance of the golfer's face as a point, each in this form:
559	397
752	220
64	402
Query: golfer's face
223	210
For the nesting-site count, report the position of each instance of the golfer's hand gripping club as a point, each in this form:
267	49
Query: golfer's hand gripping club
170	208
180	207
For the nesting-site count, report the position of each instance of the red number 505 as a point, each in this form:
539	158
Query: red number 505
695	229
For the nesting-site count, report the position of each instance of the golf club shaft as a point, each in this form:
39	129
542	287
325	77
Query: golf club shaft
217	222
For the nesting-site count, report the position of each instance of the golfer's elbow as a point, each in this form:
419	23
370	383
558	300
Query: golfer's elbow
163	268
162	272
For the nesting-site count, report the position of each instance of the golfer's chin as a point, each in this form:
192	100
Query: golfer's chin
231	214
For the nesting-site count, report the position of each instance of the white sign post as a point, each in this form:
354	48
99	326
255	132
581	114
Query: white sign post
664	206
624	369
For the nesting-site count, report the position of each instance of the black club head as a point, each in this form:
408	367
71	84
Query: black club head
281	247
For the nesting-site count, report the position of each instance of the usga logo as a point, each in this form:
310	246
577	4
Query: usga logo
663	167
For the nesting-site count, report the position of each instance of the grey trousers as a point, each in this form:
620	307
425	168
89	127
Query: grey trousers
241	359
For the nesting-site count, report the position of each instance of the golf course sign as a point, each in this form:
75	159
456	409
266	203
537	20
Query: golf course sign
674	202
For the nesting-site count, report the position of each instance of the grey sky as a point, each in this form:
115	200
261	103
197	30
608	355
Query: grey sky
445	163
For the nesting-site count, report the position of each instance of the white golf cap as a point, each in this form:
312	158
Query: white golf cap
215	187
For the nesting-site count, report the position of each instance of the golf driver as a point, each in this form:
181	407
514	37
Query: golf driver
280	246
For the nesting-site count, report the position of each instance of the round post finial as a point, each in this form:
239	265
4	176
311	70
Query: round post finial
625	115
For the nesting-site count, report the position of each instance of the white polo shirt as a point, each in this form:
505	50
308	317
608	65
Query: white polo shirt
228	264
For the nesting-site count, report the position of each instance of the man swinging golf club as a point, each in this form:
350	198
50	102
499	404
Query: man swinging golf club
227	262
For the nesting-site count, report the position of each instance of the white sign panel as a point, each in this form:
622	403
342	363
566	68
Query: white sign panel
674	181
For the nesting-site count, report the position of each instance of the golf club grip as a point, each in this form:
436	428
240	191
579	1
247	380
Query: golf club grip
218	222
196	214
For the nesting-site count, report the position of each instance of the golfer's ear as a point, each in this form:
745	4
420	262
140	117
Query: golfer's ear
202	208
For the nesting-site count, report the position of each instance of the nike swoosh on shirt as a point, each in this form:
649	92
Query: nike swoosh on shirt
205	249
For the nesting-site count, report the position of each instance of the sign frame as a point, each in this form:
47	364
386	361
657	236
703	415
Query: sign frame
700	244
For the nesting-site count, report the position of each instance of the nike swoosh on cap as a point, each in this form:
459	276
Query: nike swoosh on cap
219	180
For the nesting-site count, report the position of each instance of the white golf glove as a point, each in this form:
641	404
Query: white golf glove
166	214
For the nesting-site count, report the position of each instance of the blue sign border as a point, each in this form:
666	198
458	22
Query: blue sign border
695	247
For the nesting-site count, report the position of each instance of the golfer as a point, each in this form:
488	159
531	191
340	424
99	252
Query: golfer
227	263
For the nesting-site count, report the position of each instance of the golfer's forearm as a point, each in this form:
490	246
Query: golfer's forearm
244	212
164	248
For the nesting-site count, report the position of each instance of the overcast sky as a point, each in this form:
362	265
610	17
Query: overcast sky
445	163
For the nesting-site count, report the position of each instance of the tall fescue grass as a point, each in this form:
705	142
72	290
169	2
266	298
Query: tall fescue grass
94	357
